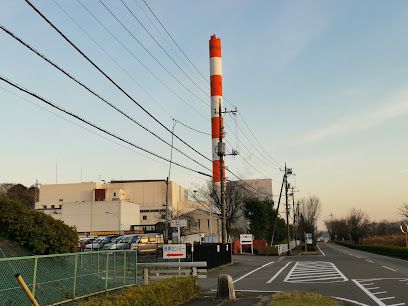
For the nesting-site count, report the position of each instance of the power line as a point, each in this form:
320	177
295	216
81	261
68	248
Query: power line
96	94
171	37
139	61
191	128
110	79
15	85
186	56
162	48
150	53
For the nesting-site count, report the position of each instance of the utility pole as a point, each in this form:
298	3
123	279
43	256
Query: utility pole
166	226
287	208
221	154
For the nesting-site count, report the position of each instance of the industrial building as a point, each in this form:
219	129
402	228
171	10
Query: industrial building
104	207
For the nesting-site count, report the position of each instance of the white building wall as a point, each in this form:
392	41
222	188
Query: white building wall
92	217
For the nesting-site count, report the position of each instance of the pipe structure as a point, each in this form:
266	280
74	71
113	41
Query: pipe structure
26	290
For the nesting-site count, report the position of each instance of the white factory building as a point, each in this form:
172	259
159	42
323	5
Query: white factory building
97	207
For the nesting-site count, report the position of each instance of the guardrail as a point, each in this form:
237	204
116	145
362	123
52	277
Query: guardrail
283	248
161	270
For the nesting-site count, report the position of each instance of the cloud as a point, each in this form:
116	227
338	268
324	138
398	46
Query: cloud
393	108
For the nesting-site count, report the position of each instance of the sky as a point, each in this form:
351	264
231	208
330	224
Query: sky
322	86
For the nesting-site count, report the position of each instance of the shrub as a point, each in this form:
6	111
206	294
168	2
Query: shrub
172	291
387	250
34	230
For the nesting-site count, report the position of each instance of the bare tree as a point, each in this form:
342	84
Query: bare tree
337	228
404	210
357	223
310	208
235	195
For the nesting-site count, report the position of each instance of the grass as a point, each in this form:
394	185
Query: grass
173	291
387	250
301	298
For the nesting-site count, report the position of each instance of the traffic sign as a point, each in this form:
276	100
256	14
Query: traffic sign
174	251
178	223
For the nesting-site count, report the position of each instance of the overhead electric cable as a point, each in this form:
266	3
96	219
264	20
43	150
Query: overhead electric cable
162	48
96	94
178	46
191	128
110	79
15	85
139	61
151	54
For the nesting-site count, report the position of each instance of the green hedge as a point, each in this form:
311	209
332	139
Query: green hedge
39	233
388	250
173	291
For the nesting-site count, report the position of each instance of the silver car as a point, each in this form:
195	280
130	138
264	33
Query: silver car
113	245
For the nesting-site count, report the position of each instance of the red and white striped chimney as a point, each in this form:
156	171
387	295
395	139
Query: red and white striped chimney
216	102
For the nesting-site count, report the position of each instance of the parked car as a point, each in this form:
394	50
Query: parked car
126	242
151	243
98	243
113	244
83	242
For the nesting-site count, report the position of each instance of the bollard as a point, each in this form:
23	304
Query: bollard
145	276
225	288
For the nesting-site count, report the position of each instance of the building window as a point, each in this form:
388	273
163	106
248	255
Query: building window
114	194
61	200
60	206
52	206
163	217
144	217
44	206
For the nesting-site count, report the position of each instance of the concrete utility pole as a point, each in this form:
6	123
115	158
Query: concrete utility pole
287	208
166	226
221	154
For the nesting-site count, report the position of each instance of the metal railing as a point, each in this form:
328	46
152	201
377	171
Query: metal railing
55	279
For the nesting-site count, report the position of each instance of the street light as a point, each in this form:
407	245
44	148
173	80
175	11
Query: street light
109	213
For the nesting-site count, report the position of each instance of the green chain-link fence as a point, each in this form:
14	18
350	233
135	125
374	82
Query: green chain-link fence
64	277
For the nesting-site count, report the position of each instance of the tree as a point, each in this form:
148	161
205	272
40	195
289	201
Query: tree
262	216
236	193
310	208
337	228
404	210
357	223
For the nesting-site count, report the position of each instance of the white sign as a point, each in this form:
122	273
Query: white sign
245	239
174	251
178	223
309	239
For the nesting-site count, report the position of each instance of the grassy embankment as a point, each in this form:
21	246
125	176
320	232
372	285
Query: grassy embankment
173	291
300	298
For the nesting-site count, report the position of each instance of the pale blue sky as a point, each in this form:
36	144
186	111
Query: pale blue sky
323	84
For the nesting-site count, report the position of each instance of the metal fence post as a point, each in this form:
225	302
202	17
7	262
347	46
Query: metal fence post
124	268
135	267
75	276
98	265
114	266
107	272
34	275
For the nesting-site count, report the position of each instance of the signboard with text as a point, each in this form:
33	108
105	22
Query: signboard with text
178	223
174	251
246	239
309	238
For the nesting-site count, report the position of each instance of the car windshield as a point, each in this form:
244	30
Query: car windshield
126	239
116	240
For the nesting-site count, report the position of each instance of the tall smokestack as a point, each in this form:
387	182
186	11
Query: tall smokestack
216	105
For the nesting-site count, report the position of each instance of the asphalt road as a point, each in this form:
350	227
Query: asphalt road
349	275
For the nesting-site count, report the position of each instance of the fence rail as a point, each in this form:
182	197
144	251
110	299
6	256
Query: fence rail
55	279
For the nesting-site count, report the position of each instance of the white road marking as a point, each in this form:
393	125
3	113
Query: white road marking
362	284
277	273
320	250
280	258
388	298
389	268
314	272
367	260
249	273
275	291
372	296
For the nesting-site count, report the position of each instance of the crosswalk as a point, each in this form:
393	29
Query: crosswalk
315	272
